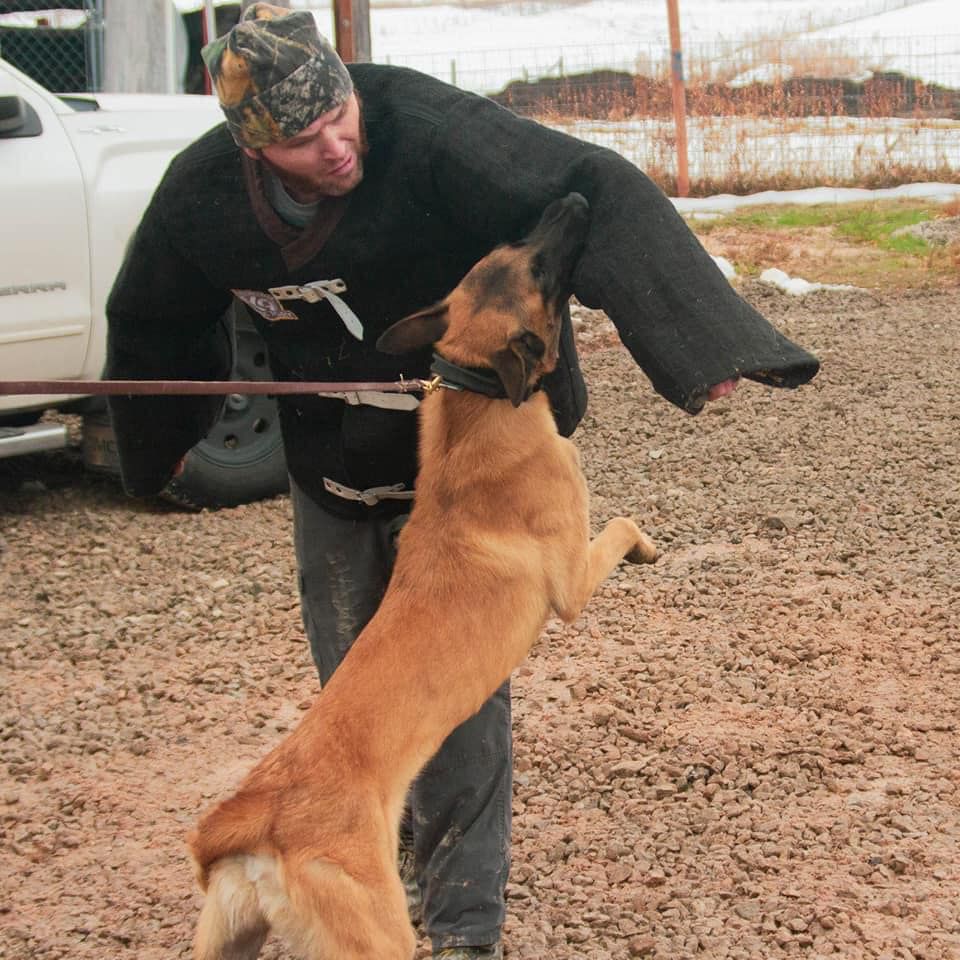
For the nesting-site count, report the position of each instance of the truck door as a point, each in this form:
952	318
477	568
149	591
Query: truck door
45	261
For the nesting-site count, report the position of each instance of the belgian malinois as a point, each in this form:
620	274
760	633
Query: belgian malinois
497	540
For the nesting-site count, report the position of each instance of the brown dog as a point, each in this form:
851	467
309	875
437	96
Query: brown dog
498	538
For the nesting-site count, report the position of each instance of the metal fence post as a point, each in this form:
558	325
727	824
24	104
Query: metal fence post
94	44
679	98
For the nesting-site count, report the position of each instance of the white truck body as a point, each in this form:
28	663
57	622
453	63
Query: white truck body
70	199
77	174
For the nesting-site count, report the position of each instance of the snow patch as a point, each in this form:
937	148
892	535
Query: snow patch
726	267
797	286
768	73
726	202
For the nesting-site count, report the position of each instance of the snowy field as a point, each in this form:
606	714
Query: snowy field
482	45
831	149
485	46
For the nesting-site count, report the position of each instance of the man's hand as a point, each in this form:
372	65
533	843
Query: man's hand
724	389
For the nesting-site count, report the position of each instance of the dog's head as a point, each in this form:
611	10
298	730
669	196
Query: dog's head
505	314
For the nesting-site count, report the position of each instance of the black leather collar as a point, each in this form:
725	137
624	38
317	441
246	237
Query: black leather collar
474	379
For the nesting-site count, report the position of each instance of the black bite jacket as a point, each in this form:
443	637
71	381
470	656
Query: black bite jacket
447	177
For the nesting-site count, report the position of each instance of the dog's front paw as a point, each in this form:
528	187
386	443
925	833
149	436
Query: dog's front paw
644	552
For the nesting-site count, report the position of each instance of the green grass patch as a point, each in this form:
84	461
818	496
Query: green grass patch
871	223
876	225
853	243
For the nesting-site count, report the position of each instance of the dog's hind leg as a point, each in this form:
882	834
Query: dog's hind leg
620	539
335	916
232	925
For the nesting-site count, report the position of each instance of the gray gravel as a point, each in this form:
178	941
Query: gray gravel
748	750
940	232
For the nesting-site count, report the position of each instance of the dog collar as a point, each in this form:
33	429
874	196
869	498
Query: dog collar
473	379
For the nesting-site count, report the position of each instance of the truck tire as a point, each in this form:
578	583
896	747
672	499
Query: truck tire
241	459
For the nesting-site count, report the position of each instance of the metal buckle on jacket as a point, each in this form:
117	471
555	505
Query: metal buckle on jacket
371	496
322	290
311	292
377	398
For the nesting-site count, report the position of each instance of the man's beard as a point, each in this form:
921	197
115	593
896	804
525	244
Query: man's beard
310	189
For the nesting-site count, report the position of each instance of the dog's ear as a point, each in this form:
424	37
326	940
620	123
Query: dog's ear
418	330
514	363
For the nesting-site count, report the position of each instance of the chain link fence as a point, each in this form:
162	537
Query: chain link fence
61	48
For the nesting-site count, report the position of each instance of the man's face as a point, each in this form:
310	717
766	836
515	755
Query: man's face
324	159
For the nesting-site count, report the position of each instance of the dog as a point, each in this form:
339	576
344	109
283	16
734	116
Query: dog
498	538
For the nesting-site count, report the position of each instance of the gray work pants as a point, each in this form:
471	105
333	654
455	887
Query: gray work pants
460	805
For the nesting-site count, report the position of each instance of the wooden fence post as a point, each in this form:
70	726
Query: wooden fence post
351	20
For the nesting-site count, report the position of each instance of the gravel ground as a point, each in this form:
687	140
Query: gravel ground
747	750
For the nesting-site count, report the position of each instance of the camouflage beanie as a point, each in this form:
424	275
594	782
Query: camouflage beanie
274	75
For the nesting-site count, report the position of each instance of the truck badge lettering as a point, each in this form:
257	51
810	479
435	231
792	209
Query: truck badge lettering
18	288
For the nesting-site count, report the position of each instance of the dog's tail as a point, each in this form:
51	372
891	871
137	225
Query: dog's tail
232	924
236	826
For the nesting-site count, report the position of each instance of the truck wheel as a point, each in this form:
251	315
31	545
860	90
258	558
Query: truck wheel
242	457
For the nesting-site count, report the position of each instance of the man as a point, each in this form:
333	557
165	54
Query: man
393	184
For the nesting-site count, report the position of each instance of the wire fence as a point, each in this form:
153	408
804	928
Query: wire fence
765	113
61	48
930	58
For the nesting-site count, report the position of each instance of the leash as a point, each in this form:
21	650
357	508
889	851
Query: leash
119	388
446	376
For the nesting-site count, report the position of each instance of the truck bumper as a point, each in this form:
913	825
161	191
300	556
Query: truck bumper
15	441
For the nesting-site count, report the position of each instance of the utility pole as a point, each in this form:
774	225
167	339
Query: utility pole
351	23
679	98
139	48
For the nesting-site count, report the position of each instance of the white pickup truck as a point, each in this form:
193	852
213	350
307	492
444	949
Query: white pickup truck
75	175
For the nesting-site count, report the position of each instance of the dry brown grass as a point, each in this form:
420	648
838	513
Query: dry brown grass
952	208
613	95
